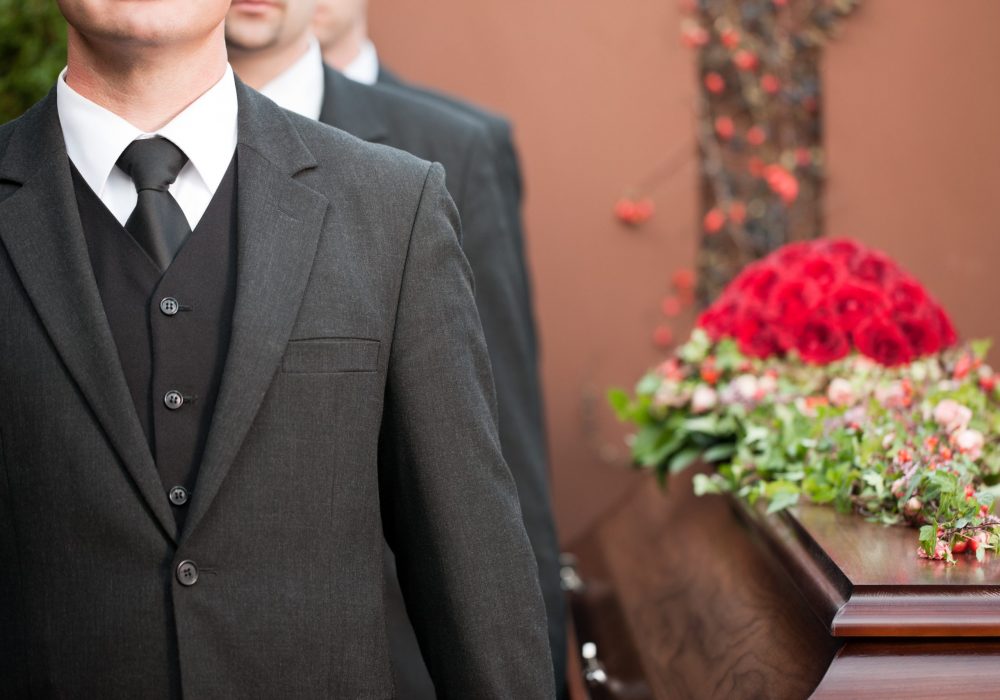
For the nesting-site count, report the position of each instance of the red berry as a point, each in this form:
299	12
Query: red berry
737	212
960	545
724	127
625	210
745	60
694	36
769	84
756	136
663	336
644	210
714	220
670	306
730	38
684	279
714	83
988	383
969	492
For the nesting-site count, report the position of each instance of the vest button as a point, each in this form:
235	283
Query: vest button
187	573
169	306
173	400
179	495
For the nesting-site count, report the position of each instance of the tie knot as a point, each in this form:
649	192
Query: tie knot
153	163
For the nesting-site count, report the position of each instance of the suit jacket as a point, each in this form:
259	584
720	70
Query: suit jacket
356	400
511	190
492	243
508	163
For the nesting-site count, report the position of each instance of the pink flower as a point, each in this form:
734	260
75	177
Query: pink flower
970	443
766	386
669	394
746	386
893	394
952	415
840	392
704	399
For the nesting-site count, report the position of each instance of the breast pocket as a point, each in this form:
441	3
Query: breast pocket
330	355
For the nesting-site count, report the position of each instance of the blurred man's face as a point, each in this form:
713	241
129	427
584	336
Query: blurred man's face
139	23
334	19
255	25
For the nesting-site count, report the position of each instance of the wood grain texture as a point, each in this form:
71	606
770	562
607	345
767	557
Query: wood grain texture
708	612
866	670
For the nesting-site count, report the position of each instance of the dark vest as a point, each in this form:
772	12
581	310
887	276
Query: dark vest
172	329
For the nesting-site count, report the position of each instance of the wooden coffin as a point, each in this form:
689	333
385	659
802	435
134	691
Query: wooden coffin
687	597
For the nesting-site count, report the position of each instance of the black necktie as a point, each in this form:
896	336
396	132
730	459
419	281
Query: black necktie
157	223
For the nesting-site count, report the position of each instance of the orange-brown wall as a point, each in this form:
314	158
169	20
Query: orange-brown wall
602	93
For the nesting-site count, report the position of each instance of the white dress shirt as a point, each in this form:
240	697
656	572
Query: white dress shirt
206	131
300	88
364	67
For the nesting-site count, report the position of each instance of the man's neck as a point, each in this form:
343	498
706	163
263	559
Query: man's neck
257	68
340	53
147	87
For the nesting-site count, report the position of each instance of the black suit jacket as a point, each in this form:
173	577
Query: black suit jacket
356	400
492	244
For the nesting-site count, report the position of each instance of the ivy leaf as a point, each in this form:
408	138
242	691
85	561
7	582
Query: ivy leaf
683	459
621	403
928	538
782	501
719	452
704	484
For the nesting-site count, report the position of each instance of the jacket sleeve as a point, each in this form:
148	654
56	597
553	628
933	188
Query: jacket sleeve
449	504
492	242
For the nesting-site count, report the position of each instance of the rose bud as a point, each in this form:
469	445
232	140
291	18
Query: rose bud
912	507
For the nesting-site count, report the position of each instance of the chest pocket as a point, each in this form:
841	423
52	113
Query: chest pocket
330	355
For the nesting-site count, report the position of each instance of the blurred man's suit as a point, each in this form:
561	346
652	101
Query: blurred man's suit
355	403
491	241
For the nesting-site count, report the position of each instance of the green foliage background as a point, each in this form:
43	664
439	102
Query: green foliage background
32	52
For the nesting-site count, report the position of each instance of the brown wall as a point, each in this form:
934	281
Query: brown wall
601	93
913	135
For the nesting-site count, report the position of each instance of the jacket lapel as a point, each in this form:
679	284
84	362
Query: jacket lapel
279	221
41	229
347	106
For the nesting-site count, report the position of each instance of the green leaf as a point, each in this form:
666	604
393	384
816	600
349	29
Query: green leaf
782	501
683	459
980	553
649	384
980	347
720	452
704	484
928	538
621	403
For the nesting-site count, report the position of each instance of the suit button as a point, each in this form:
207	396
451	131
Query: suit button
169	306
173	400
178	495
187	573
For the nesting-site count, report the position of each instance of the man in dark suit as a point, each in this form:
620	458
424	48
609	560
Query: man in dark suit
277	54
239	348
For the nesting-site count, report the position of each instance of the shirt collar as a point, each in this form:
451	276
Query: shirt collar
95	137
364	67
300	88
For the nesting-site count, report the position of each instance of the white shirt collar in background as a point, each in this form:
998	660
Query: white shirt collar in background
206	131
300	88
364	67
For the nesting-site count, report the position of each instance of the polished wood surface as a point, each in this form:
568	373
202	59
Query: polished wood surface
694	602
865	579
689	597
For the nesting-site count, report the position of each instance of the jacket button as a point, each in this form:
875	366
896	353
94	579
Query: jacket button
169	306
173	400
187	573
179	495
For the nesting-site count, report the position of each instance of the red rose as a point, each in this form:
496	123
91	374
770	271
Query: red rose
792	254
922	332
757	281
907	296
946	330
758	338
854	301
822	270
820	341
792	302
844	250
880	340
875	269
718	320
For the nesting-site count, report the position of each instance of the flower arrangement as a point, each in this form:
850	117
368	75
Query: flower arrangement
825	372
